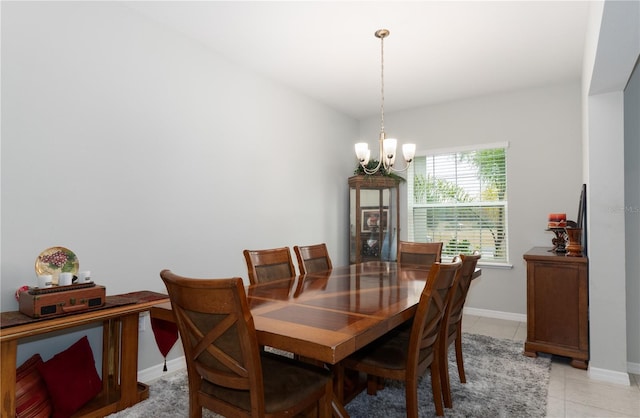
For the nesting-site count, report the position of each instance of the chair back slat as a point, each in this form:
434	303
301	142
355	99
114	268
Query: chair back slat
419	253
269	264
313	258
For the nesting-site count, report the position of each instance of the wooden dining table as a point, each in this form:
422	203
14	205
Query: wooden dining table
327	316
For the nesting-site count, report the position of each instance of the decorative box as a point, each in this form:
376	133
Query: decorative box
61	300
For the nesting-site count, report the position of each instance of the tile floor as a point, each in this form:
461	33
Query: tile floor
571	393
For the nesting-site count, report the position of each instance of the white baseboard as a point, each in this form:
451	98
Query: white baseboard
155	372
633	368
609	376
509	316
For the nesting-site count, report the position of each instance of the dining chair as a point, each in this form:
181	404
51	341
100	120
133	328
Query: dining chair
406	356
451	329
270	264
227	372
312	258
419	253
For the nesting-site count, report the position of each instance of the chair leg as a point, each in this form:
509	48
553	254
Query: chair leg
411	396
195	408
372	384
444	378
435	384
459	361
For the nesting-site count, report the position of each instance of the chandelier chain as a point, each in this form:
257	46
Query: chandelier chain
382	84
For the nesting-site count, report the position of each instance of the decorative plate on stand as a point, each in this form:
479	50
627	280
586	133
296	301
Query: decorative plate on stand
56	260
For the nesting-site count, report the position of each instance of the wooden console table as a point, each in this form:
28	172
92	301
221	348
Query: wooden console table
119	316
557	306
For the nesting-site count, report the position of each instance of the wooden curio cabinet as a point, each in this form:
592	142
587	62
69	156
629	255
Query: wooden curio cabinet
374	218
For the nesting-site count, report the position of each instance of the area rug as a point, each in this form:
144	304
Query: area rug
501	382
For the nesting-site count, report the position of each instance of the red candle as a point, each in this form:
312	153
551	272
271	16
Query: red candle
557	220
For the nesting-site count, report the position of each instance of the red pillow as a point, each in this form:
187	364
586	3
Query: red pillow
71	378
32	398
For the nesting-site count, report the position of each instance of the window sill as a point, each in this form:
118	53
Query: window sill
498	266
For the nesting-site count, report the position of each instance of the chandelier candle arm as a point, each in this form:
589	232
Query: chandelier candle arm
387	146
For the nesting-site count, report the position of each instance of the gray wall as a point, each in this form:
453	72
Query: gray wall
612	50
544	166
140	150
632	213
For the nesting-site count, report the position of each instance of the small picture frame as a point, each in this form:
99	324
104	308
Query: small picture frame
374	218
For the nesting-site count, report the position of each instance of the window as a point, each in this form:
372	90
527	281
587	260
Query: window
460	198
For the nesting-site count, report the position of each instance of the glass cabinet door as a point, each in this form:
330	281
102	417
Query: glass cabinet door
374	218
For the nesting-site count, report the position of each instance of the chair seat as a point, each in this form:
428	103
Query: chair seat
286	383
389	352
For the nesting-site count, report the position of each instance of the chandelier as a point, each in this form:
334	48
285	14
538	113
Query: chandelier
387	146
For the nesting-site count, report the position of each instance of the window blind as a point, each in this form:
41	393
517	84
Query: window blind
460	198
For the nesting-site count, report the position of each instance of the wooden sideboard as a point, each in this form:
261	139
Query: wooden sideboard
119	318
557	305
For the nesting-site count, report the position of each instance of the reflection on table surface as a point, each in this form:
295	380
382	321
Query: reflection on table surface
326	316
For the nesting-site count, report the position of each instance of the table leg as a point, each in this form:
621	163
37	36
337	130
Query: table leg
337	409
110	356
129	361
8	356
337	403
338	382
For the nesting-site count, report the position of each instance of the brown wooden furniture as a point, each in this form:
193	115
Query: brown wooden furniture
227	372
312	258
374	218
119	317
557	306
407	356
267	265
327	316
421	253
452	324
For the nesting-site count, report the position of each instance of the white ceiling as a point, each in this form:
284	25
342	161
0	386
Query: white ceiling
437	51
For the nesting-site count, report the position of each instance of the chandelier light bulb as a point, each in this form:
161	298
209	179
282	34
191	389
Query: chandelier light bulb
409	151
389	146
362	152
